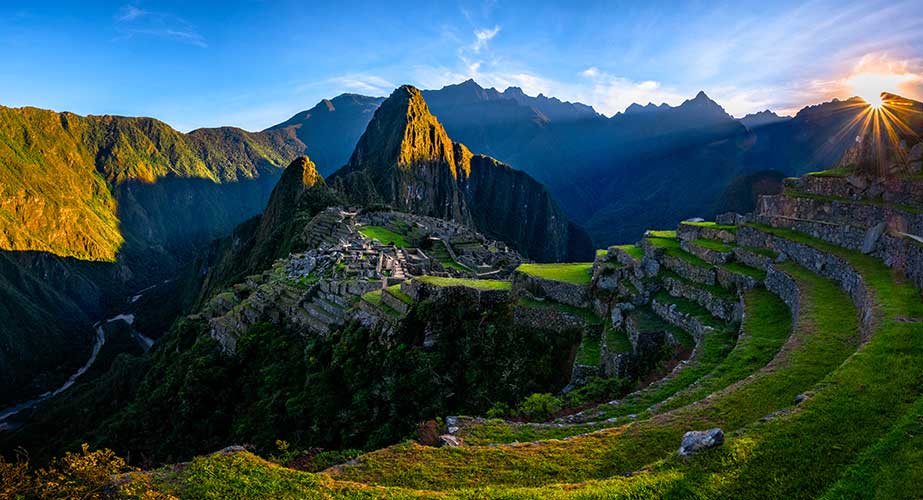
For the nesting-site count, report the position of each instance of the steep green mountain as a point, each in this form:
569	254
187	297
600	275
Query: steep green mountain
252	247
407	160
118	204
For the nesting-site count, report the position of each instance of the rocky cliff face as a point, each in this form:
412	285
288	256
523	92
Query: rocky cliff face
407	160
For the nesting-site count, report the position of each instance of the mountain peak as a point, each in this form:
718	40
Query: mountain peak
402	133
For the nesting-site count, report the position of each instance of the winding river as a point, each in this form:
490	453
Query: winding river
7	413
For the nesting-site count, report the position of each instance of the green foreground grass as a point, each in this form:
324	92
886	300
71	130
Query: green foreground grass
579	273
384	236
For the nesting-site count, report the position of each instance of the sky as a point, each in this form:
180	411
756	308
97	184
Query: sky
255	63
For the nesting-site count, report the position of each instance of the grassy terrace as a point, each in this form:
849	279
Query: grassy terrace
672	248
385	236
713	225
442	256
633	250
657	233
714	245
766	326
396	291
579	273
470	283
738	268
373	297
765	252
834	172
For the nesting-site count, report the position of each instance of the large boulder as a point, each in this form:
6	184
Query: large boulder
696	441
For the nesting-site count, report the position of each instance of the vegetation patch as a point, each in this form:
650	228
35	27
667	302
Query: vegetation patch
384	236
468	282
395	290
714	225
577	273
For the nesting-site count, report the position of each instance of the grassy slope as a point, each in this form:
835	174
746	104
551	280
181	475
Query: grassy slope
384	236
58	172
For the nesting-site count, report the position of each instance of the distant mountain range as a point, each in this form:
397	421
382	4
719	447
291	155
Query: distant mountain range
649	165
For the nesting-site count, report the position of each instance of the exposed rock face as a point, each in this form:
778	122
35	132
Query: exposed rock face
406	159
696	441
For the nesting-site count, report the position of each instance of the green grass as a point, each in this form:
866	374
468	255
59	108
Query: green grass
373	297
713	225
738	268
395	290
834	172
765	252
657	233
440	254
672	248
579	273
602	252
714	245
470	283
384	236
767	324
617	339
590	349
632	250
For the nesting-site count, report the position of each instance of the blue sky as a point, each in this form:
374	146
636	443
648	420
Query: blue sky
255	63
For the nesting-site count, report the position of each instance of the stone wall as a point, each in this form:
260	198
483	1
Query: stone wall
675	317
720	307
557	291
419	291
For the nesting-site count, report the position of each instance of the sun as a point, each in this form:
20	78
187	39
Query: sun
869	86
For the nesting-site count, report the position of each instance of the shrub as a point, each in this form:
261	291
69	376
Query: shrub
596	390
540	406
500	410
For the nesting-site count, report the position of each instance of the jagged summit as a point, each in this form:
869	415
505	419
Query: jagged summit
402	133
761	118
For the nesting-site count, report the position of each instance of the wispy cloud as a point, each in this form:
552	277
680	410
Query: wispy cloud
482	37
356	82
131	21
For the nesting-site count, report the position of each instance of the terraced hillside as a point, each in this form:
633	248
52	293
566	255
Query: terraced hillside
797	331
